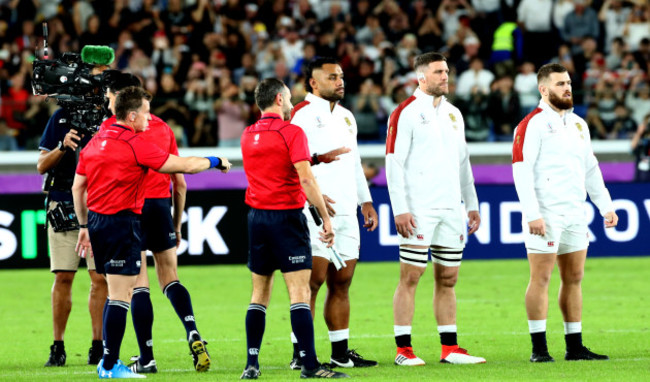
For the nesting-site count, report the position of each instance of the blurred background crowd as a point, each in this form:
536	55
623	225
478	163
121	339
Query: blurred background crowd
203	58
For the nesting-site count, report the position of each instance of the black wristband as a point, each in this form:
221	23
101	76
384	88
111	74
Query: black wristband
314	159
83	225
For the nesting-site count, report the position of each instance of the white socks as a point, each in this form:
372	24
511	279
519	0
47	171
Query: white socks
402	330
572	327
536	326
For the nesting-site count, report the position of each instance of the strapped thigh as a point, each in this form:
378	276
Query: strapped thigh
448	257
414	256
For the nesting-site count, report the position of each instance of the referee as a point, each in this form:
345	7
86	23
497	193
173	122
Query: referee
278	168
111	171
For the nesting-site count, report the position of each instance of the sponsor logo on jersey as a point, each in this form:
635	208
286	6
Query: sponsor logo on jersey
551	129
256	139
550	244
420	237
462	238
319	122
424	119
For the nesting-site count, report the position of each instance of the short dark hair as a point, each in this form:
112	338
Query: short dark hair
427	58
118	81
546	70
129	99
266	91
317	63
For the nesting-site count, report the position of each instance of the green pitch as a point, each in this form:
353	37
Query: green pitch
491	322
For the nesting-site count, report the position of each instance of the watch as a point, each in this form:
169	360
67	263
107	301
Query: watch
60	146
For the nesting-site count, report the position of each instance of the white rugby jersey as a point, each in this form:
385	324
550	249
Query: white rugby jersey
427	162
554	166
342	180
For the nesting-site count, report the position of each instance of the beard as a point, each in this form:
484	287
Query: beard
437	90
559	102
286	114
331	96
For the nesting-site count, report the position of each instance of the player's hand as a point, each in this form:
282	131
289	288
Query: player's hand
71	140
333	155
327	235
328	204
225	165
611	219
474	222
405	224
537	227
179	237
369	216
83	247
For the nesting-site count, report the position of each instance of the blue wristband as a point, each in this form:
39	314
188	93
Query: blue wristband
214	161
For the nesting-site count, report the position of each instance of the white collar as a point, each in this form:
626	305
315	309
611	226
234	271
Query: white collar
320	103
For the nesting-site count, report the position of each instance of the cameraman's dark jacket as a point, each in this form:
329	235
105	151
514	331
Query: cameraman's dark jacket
59	179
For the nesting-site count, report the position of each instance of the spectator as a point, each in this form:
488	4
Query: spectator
579	24
534	18
471	48
449	15
642	55
597	129
641	150
475	79
365	107
606	100
615	54
526	88
503	108
638	99
623	126
474	110
637	26
232	114
613	15
560	10
430	35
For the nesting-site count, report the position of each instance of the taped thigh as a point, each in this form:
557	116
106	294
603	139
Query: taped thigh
448	257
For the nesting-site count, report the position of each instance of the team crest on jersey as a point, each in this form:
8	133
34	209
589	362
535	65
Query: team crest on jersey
517	139
347	120
452	117
579	126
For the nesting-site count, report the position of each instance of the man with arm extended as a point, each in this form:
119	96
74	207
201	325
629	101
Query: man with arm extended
554	168
428	173
329	125
108	197
277	165
161	233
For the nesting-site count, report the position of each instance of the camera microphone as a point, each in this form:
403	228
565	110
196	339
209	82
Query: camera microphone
45	35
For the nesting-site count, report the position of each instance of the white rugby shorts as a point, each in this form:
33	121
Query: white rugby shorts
442	228
564	234
346	237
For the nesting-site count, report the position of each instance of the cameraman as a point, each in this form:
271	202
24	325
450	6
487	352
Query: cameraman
59	147
641	151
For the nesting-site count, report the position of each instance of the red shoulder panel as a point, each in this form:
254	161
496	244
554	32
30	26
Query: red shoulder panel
298	107
392	125
518	144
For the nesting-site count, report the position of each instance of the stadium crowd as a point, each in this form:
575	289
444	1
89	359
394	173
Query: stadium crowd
202	59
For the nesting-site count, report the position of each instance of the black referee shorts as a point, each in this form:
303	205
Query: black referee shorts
116	242
158	232
278	239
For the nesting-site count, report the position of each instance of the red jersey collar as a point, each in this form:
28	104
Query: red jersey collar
271	115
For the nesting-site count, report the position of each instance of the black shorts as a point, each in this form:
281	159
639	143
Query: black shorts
278	239
158	233
116	242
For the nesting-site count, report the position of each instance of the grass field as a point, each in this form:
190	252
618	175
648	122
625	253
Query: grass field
491	321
